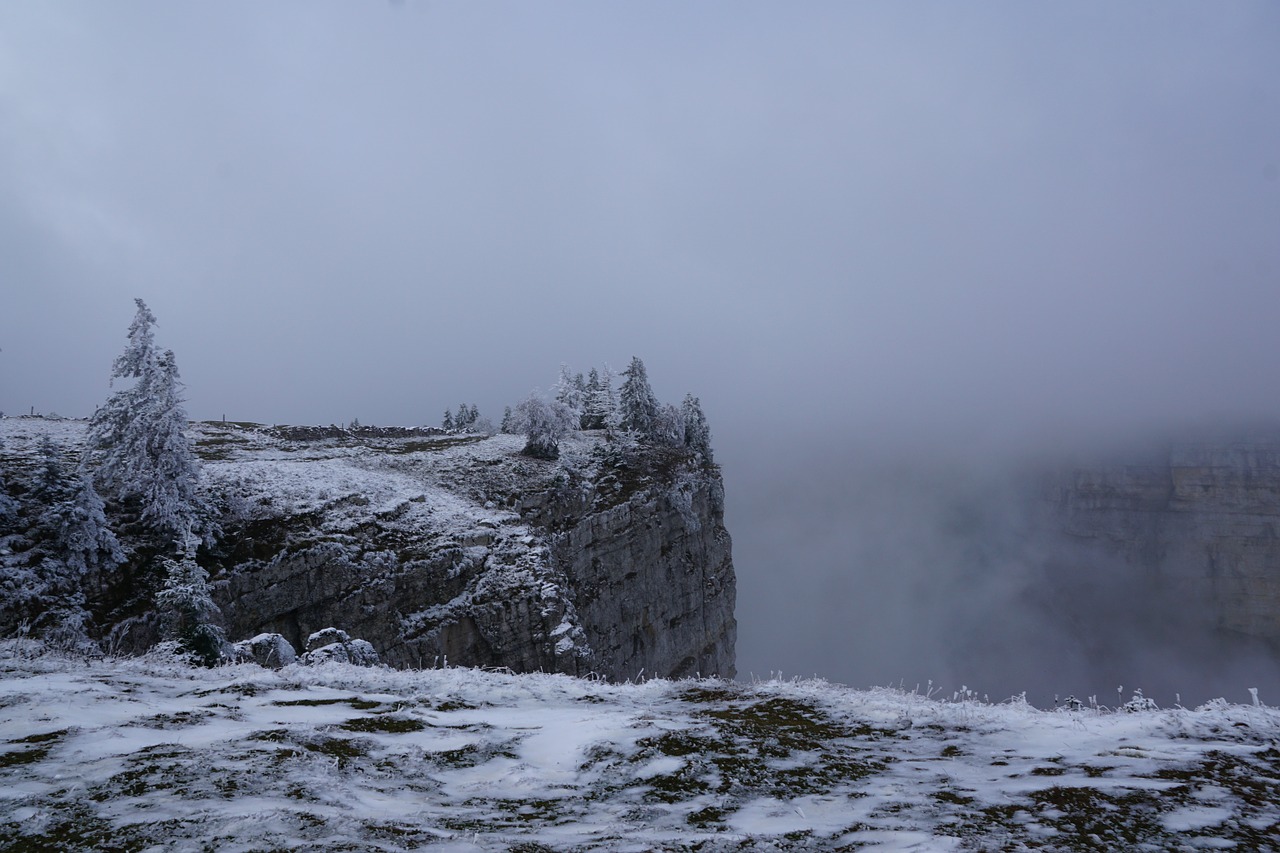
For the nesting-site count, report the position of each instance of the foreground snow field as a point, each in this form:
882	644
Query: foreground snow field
150	754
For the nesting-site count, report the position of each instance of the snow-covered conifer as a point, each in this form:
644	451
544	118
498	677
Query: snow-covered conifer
697	435
543	424
171	501
569	393
50	479
140	353
591	390
506	420
189	611
601	402
638	407
447	423
137	444
612	413
85	541
669	426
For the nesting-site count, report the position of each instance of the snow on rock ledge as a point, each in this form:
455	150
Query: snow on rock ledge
441	548
270	650
460	551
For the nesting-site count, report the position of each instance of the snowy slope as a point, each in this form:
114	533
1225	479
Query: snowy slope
139	753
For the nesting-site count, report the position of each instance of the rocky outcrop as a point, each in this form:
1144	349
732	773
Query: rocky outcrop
267	650
612	561
1200	517
654	583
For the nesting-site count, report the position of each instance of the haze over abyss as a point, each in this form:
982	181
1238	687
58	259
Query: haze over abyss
892	247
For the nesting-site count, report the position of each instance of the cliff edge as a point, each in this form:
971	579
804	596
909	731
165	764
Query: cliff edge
444	548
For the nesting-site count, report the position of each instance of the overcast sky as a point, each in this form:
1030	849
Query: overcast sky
837	223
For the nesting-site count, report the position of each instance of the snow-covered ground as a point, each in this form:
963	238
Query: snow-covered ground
150	754
438	480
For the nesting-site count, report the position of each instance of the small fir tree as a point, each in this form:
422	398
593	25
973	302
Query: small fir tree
697	435
189	611
613	414
506	421
638	407
84	539
447	423
669	426
137	443
569	393
592	417
50	482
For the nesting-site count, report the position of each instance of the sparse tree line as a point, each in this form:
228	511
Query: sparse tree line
138	476
631	413
581	402
467	419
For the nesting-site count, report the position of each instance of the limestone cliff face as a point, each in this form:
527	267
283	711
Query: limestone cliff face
652	575
613	561
1200	516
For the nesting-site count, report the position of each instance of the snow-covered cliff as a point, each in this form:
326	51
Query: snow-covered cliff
439	547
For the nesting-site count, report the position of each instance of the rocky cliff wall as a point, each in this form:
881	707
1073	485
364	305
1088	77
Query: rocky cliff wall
610	562
652	576
1200	516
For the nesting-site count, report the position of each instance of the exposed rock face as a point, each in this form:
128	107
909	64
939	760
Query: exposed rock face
333	645
653	579
610	562
1201	517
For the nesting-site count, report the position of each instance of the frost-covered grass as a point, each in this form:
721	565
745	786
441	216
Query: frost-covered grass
133	754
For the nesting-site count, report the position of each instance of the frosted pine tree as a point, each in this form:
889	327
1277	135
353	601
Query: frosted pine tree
591	391
75	517
600	403
638	407
137	444
447	423
697	435
612	414
50	478
171	499
189	611
506	421
669	426
85	540
569	393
